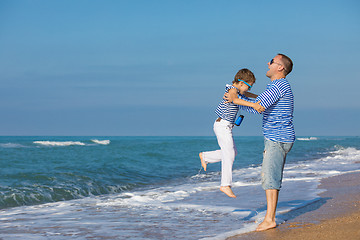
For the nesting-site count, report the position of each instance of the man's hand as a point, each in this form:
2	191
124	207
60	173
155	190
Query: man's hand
258	107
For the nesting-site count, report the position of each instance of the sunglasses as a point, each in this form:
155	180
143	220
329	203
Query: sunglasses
272	61
245	83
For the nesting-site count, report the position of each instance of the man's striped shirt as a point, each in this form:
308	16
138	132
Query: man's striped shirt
278	100
227	111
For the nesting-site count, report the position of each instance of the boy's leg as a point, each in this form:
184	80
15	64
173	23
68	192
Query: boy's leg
203	163
228	149
209	157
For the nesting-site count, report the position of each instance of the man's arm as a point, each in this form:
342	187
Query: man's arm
269	96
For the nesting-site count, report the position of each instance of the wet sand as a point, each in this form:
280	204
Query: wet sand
335	216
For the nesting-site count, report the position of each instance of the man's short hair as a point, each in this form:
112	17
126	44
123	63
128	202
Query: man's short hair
288	64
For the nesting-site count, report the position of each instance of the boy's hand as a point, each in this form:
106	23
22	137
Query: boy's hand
258	107
228	98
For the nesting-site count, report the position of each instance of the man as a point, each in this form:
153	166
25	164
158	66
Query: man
278	130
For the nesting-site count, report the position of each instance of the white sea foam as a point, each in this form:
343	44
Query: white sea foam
102	142
308	139
299	189
71	143
340	162
60	144
11	145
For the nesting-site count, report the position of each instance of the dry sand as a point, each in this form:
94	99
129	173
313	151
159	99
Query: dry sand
335	216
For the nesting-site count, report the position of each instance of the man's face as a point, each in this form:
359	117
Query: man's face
273	66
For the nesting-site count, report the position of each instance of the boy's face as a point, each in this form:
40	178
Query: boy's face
243	87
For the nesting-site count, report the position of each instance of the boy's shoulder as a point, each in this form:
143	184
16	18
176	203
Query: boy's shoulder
228	87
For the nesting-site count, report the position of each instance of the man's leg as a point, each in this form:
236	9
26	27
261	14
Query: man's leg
271	175
272	196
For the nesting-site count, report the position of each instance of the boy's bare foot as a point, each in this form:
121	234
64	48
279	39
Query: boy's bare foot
203	163
265	225
227	190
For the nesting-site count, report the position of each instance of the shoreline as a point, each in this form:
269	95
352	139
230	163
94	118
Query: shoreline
335	216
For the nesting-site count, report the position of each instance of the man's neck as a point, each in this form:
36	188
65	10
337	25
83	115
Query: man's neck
276	77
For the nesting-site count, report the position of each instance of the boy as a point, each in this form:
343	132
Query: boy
226	112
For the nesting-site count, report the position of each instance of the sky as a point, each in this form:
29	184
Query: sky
159	68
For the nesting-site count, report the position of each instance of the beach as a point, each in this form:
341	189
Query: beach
335	216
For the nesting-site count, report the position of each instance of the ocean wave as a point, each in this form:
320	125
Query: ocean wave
337	162
102	142
44	193
343	155
349	153
11	145
60	144
308	139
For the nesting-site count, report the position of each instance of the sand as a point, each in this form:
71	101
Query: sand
335	216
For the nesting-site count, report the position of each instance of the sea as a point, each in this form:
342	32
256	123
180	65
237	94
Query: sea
152	187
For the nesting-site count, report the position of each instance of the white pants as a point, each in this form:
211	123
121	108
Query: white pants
227	152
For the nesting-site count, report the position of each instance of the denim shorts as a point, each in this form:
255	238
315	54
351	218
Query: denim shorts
273	163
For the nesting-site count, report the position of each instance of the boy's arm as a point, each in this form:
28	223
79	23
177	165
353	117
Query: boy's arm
233	95
250	95
267	98
234	98
255	106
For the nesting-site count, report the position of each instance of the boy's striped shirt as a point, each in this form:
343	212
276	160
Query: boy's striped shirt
227	111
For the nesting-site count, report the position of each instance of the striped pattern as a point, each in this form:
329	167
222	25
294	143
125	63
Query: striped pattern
227	111
278	100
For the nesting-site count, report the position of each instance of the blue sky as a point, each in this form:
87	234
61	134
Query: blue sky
159	67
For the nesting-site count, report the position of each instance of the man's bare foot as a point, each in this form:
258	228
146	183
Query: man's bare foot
227	190
203	163
265	225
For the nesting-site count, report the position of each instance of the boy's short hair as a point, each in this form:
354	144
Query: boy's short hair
246	75
288	64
